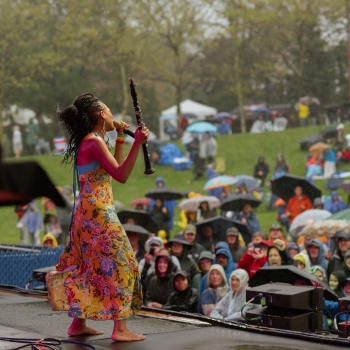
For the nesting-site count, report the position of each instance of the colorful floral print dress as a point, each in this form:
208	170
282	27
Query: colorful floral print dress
103	279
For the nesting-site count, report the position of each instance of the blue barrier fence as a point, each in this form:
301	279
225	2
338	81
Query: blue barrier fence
16	267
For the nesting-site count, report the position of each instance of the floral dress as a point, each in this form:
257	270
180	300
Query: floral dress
98	269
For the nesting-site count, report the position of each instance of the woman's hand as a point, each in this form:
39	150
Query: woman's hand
120	126
141	136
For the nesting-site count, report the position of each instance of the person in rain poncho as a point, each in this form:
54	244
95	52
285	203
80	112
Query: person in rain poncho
229	307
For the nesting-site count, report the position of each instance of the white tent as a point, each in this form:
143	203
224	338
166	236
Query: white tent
186	106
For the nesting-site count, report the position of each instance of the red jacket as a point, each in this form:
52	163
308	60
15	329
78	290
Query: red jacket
250	264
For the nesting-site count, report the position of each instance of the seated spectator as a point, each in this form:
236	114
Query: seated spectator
217	288
297	204
317	254
195	250
229	307
334	204
205	261
255	257
205	212
248	218
302	261
49	241
278	255
336	262
319	272
160	286
178	247
281	167
235	248
223	258
318	204
51	225
134	238
314	166
183	298
276	232
293	249
346	264
261	169
336	280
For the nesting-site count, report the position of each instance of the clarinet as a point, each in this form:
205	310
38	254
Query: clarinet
137	110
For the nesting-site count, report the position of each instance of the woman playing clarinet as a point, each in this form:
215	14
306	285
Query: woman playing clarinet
100	271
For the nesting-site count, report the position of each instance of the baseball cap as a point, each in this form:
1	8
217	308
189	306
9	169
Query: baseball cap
232	231
156	241
190	229
276	227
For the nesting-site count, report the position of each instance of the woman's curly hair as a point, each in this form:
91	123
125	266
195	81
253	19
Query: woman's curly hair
79	119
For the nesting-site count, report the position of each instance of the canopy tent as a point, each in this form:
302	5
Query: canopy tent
186	106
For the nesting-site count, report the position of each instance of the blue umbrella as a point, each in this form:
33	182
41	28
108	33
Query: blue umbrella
222	115
168	117
333	183
201	127
246	180
189	115
260	110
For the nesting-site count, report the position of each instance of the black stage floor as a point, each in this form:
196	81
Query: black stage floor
30	317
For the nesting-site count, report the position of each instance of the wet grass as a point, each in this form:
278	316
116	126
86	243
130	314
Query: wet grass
240	151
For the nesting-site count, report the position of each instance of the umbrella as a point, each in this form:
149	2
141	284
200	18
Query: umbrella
143	201
144	234
341	215
189	115
18	189
325	228
164	193
219	181
288	274
236	202
284	187
246	180
259	110
222	115
168	117
220	225
300	220
319	146
345	186
201	127
192	204
186	138
141	218
333	183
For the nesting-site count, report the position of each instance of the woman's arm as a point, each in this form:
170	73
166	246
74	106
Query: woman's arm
120	172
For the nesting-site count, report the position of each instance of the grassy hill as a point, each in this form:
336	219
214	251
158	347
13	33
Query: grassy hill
240	151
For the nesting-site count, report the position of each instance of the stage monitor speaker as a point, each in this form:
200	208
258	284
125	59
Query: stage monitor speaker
287	296
344	304
289	319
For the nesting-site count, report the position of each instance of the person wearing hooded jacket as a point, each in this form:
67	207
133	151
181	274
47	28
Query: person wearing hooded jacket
316	252
183	298
334	204
342	245
232	237
161	285
223	257
168	204
205	261
217	288
229	307
49	240
261	169
302	261
179	247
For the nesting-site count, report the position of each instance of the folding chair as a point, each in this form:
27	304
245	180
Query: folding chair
42	145
60	144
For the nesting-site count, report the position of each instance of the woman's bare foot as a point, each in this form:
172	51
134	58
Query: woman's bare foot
127	335
122	333
79	327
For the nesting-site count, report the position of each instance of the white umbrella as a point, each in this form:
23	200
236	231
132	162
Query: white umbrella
192	204
326	228
300	221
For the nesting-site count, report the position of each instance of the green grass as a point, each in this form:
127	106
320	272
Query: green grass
240	151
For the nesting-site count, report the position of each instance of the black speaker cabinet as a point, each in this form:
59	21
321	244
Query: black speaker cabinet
344	304
287	296
289	319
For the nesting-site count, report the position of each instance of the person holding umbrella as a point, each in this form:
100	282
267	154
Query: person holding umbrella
297	204
248	218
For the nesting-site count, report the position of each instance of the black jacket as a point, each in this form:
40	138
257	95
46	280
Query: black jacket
186	301
335	263
159	289
195	251
188	264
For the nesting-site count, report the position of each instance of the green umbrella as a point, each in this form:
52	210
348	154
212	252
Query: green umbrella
341	215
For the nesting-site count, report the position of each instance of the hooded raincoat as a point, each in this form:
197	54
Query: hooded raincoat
229	307
321	258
